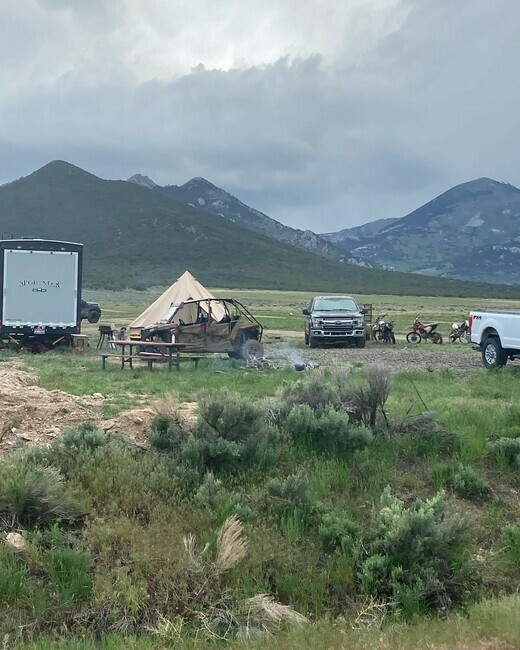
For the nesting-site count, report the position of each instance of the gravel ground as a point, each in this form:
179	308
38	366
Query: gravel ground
421	357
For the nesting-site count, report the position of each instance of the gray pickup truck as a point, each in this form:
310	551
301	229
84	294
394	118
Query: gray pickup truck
334	318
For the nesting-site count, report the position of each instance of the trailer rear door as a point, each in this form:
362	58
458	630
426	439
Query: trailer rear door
40	288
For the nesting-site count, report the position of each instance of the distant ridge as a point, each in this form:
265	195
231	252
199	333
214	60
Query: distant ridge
471	231
137	237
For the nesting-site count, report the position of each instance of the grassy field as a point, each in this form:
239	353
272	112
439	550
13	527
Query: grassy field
281	310
136	559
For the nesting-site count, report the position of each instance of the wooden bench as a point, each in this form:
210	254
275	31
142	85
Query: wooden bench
149	357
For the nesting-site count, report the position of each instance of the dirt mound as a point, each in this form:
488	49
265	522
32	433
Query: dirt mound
31	415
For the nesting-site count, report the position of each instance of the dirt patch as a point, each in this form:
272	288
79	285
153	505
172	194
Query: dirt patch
31	415
418	357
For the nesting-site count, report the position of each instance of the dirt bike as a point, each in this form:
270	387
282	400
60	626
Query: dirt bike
423	332
377	327
458	331
383	331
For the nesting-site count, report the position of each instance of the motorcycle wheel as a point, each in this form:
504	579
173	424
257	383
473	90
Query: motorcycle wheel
453	337
413	337
376	335
436	338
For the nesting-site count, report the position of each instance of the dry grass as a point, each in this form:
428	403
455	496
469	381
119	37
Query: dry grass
264	610
231	544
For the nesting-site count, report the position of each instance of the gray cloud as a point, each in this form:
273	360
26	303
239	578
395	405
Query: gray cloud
388	104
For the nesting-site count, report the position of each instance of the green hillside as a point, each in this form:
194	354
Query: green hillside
137	238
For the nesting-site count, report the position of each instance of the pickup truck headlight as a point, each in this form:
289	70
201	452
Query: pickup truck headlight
317	322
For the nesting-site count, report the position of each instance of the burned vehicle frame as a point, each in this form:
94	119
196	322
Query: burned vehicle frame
210	325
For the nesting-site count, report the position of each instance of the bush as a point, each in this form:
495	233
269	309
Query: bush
230	433
507	451
316	390
291	493
424	436
33	496
368	398
164	435
326	430
338	531
76	441
465	481
417	557
511	543
469	483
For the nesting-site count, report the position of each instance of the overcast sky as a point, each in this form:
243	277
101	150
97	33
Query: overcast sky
322	114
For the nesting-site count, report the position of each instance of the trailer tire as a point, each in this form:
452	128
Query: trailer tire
493	354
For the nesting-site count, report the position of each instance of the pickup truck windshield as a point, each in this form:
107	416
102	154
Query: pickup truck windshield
335	304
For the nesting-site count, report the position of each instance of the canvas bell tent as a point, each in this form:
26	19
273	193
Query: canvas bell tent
181	303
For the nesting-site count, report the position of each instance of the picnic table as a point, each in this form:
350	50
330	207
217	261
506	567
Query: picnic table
149	351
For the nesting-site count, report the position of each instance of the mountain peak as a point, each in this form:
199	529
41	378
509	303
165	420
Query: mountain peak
60	168
199	182
143	181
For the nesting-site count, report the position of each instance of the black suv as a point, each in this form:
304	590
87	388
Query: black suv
334	318
91	311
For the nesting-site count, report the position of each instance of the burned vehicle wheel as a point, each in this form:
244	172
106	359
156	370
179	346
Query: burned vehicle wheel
252	348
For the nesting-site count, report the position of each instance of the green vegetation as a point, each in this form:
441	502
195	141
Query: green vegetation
330	495
382	508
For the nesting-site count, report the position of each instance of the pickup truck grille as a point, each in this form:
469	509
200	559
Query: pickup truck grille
334	325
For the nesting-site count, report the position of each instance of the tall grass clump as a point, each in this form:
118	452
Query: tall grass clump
33	495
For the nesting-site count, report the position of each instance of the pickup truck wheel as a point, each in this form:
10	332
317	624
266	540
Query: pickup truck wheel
306	338
93	316
361	342
493	355
312	341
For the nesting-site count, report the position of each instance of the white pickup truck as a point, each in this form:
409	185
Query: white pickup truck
496	334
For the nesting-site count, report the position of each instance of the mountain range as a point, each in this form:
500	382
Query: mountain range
472	232
138	236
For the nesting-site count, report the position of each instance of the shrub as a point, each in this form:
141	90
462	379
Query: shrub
290	494
469	483
230	433
316	390
465	481
164	435
75	442
507	451
368	398
33	496
417	557
338	531
511	543
326	430
424	436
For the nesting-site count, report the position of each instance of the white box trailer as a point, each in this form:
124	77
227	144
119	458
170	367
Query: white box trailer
40	283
